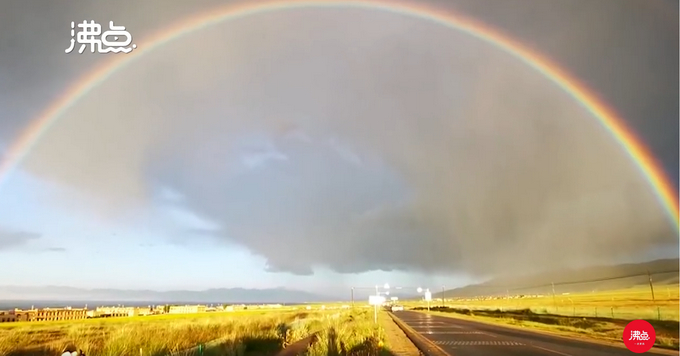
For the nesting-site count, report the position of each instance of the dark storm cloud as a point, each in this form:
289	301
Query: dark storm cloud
389	144
627	51
277	264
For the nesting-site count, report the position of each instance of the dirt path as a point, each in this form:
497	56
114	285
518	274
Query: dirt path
298	347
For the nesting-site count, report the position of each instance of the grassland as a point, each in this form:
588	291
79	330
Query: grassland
239	333
159	335
625	304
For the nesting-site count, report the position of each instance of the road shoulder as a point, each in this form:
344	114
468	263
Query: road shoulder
397	343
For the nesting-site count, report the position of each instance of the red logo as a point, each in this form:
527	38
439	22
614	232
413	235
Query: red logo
639	336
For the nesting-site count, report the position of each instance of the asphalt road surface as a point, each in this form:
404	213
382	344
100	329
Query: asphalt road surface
467	338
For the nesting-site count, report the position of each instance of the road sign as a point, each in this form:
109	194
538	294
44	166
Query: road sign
376	300
428	296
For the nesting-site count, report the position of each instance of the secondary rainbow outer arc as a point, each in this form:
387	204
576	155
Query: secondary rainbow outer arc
650	169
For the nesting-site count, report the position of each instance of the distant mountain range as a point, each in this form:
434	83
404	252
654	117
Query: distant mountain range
664	272
222	295
589	279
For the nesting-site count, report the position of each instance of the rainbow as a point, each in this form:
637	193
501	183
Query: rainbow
648	166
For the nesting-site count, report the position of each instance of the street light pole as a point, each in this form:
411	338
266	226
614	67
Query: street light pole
428	296
375	306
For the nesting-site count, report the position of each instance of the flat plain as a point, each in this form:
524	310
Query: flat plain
248	333
627	304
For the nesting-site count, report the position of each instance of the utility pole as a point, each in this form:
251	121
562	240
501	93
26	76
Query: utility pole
651	286
553	291
443	304
352	297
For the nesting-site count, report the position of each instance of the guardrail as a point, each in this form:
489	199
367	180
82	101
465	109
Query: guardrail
426	347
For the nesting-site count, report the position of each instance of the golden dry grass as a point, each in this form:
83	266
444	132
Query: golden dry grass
152	335
350	334
250	334
626	304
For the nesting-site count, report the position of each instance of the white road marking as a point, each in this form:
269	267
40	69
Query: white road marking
437	327
480	343
453	332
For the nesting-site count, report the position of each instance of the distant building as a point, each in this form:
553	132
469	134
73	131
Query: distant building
112	312
187	309
68	313
7	316
49	314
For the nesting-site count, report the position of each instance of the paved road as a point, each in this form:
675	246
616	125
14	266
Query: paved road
467	338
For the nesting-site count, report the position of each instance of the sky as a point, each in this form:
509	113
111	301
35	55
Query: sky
323	149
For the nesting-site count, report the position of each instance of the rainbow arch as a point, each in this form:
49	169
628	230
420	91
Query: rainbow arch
635	149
